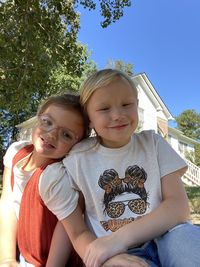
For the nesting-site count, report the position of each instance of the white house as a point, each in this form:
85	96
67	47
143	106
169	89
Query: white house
154	114
181	143
185	147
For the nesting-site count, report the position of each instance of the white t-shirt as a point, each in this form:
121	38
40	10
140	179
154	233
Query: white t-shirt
121	184
54	186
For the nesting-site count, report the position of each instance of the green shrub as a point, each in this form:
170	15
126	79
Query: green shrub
194	198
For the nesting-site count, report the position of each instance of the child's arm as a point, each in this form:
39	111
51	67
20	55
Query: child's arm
172	210
60	248
62	200
81	237
78	232
8	224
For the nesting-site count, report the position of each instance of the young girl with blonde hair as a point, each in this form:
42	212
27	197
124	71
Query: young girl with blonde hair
135	201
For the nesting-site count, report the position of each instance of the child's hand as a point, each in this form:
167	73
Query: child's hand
10	264
125	260
101	249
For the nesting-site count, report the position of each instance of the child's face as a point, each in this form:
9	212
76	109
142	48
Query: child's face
57	131
113	113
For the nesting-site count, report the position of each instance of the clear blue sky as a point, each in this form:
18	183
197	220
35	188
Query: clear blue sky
160	38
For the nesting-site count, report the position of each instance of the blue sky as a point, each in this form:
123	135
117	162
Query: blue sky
160	38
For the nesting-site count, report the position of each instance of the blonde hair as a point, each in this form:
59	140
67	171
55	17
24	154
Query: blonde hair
100	79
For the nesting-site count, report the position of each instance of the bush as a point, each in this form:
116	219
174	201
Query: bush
194	198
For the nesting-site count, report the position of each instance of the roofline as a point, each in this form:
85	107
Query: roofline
154	93
184	137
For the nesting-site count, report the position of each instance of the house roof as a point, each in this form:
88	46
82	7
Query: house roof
28	123
142	80
180	136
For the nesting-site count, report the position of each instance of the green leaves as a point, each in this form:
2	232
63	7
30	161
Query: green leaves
36	37
40	54
189	123
112	10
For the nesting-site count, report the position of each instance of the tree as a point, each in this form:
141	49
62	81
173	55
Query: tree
36	39
61	81
40	53
111	10
189	123
197	155
121	65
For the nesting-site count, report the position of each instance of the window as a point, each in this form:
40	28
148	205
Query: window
141	119
182	147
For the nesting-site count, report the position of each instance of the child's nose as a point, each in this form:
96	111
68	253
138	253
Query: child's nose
53	133
117	113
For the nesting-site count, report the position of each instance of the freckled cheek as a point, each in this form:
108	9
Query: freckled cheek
104	118
36	131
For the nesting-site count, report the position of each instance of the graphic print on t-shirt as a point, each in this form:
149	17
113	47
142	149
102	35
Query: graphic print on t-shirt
113	185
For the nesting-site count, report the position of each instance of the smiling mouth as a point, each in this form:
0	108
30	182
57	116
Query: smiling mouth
121	126
46	143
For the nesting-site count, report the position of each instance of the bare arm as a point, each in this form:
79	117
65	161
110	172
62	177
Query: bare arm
78	232
174	209
60	247
8	224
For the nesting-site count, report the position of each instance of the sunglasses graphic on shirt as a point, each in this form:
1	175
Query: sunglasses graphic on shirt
116	209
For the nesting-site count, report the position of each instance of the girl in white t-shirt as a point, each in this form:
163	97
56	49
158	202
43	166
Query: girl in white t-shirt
59	125
135	200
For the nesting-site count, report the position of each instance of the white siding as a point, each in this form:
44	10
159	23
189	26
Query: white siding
149	112
174	143
180	146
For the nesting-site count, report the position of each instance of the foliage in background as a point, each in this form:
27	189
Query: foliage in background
194	198
40	54
61	81
197	155
35	38
120	65
189	123
110	10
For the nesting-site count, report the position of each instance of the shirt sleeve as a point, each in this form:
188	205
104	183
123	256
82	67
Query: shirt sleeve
56	191
11	151
168	159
